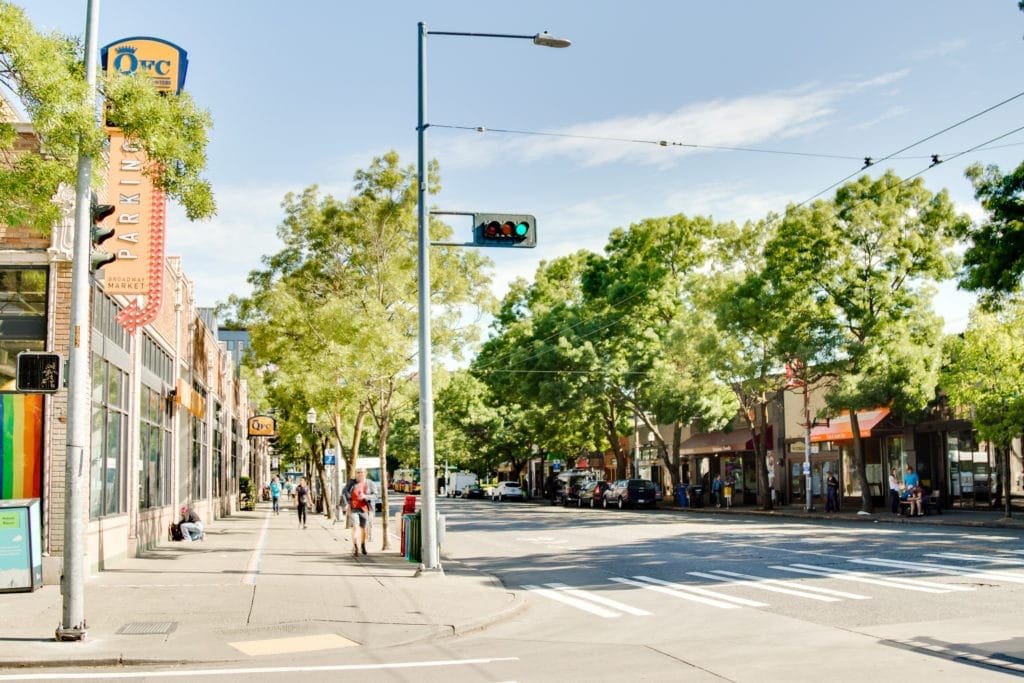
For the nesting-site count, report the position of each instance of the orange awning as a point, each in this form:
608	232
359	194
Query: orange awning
839	429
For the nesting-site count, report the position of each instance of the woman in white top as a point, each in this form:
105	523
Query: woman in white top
894	492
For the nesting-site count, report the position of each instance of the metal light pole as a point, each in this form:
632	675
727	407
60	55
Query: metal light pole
76	466
808	424
428	525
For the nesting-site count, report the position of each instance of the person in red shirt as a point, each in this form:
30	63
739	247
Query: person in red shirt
360	502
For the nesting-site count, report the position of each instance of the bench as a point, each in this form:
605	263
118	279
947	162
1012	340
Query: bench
929	503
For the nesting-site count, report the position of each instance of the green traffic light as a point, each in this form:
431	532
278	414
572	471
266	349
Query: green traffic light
521	229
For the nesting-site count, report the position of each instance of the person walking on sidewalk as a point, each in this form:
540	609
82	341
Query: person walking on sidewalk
894	492
275	495
716	490
831	493
301	501
360	505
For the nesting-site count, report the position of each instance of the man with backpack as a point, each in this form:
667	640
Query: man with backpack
359	500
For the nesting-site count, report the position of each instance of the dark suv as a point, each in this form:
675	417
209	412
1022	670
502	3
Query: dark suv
567	487
591	492
630	492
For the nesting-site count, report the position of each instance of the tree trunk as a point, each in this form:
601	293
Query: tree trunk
764	492
385	426
1007	453
860	458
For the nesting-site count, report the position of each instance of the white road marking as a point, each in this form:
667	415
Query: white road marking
182	673
600	599
943	569
799	586
253	567
994	559
675	594
572	602
702	591
859	577
775	586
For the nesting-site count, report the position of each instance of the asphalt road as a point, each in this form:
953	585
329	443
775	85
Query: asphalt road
656	595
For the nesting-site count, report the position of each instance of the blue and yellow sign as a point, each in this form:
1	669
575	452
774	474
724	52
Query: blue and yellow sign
164	62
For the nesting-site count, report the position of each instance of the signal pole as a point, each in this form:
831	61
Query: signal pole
76	465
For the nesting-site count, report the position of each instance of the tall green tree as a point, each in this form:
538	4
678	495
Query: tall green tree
871	254
334	312
46	74
985	374
994	259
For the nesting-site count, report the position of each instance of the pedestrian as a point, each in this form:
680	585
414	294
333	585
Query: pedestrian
359	502
716	490
912	492
831	493
301	501
894	492
191	526
275	495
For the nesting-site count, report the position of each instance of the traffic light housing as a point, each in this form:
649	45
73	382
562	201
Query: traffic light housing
39	372
100	234
504	230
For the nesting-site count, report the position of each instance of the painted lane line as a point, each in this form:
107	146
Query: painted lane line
253	567
943	569
572	602
600	599
702	591
944	587
190	673
855	576
675	594
993	559
784	587
797	586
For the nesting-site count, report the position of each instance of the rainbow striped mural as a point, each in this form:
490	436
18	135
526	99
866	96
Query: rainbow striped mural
21	448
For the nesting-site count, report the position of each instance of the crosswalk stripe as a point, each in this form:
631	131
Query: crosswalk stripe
600	599
701	591
675	594
994	559
767	584
942	569
854	576
753	584
574	602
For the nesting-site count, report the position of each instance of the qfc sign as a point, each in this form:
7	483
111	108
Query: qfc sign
163	62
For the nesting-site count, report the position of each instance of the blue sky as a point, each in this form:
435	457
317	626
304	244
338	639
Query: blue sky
307	92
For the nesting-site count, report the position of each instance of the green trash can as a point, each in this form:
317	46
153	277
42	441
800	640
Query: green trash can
413	540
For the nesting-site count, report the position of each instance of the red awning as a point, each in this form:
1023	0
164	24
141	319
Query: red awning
720	442
839	429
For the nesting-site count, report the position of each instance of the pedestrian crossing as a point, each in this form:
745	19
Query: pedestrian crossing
935	574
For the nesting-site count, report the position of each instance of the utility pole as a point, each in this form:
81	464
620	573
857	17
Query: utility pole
76	466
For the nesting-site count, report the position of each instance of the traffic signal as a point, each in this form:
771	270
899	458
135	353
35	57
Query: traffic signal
504	230
39	372
100	234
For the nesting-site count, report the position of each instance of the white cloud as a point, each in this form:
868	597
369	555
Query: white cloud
943	49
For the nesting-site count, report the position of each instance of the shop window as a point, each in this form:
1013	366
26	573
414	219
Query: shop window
109	434
22	317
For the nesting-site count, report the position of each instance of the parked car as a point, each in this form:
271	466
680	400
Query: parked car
567	487
591	493
507	490
630	493
473	491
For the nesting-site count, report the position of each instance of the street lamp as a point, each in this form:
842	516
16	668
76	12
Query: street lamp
431	561
311	418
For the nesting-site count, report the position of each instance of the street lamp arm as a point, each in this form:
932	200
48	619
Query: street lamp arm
545	39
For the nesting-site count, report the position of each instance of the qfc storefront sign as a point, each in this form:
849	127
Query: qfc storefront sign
162	61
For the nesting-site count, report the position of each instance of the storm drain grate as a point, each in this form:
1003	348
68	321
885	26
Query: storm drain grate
147	628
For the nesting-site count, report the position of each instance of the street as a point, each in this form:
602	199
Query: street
659	595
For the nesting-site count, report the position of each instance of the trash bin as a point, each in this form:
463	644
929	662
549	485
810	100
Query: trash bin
681	495
695	494
413	541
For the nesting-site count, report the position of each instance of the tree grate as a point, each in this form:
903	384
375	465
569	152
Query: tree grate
147	628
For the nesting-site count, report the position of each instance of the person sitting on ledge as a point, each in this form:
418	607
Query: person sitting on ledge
191	526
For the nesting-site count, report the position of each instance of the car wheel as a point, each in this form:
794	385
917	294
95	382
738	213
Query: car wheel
579	502
591	503
620	503
501	498
604	503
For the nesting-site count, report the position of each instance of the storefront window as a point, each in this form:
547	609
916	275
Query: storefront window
22	317
109	419
970	468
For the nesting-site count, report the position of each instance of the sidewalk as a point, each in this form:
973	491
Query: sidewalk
222	599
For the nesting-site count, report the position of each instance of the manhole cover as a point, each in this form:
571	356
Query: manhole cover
147	628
